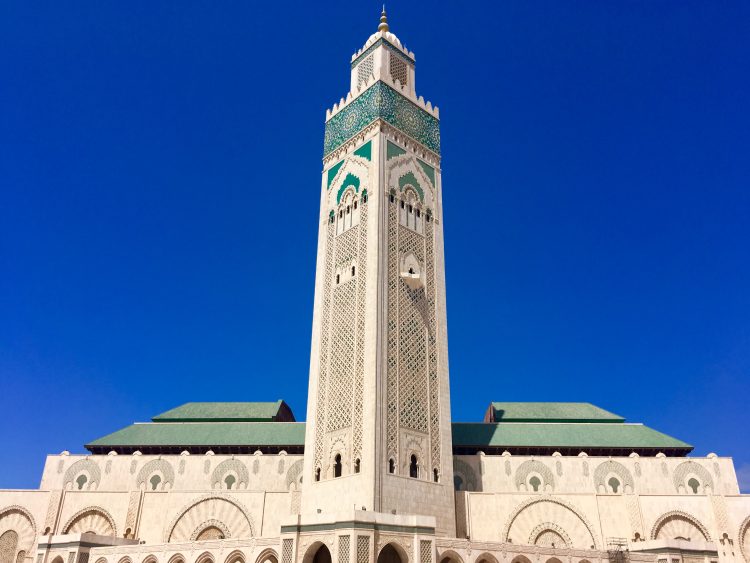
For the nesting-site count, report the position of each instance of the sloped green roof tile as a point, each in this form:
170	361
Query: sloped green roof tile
550	412
187	434
224	412
564	436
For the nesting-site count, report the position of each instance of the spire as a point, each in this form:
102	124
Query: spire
383	21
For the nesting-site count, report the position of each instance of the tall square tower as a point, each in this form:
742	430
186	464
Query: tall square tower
378	433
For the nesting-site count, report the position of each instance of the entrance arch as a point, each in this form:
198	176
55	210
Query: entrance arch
317	553
391	554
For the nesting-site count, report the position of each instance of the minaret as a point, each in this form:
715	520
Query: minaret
378	422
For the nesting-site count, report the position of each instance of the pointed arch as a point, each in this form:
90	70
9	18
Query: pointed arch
405	170
267	555
486	557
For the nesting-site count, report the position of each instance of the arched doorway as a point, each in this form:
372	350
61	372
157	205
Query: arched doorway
389	554
317	553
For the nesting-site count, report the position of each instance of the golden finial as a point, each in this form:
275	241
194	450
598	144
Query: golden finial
383	21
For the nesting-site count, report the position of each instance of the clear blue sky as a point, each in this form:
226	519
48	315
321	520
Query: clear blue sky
159	180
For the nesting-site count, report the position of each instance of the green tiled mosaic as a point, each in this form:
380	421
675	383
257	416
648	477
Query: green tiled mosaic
382	101
393	150
409	178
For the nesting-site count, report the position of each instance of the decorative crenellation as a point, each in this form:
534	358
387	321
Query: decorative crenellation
388	81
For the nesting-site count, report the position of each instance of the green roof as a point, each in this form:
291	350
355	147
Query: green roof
550	412
545	435
204	434
224	412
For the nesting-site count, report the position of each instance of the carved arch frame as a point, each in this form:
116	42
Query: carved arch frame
97	509
195	502
546	498
661	520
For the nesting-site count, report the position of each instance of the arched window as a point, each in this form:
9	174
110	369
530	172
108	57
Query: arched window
435	475
402	204
457	482
356	465
355	204
337	466
614	483
392	198
535	483
81	481
230	480
391	466
413	467
348	209
155	480
694	485
338	278
353	270
317	473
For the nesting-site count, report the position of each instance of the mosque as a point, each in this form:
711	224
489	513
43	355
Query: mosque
379	472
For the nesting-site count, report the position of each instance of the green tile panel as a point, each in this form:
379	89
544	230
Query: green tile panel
380	101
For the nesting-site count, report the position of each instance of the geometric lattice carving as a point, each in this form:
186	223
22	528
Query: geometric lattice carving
83	466
634	515
155	466
52	508
8	546
612	467
134	505
320	414
679	525
364	70
425	551
686	468
344	549
293	473
341	351
533	466
92	519
464	470
363	549
286	551
232	467
399	70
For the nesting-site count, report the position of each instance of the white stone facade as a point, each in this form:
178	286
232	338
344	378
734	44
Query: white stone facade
378	480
